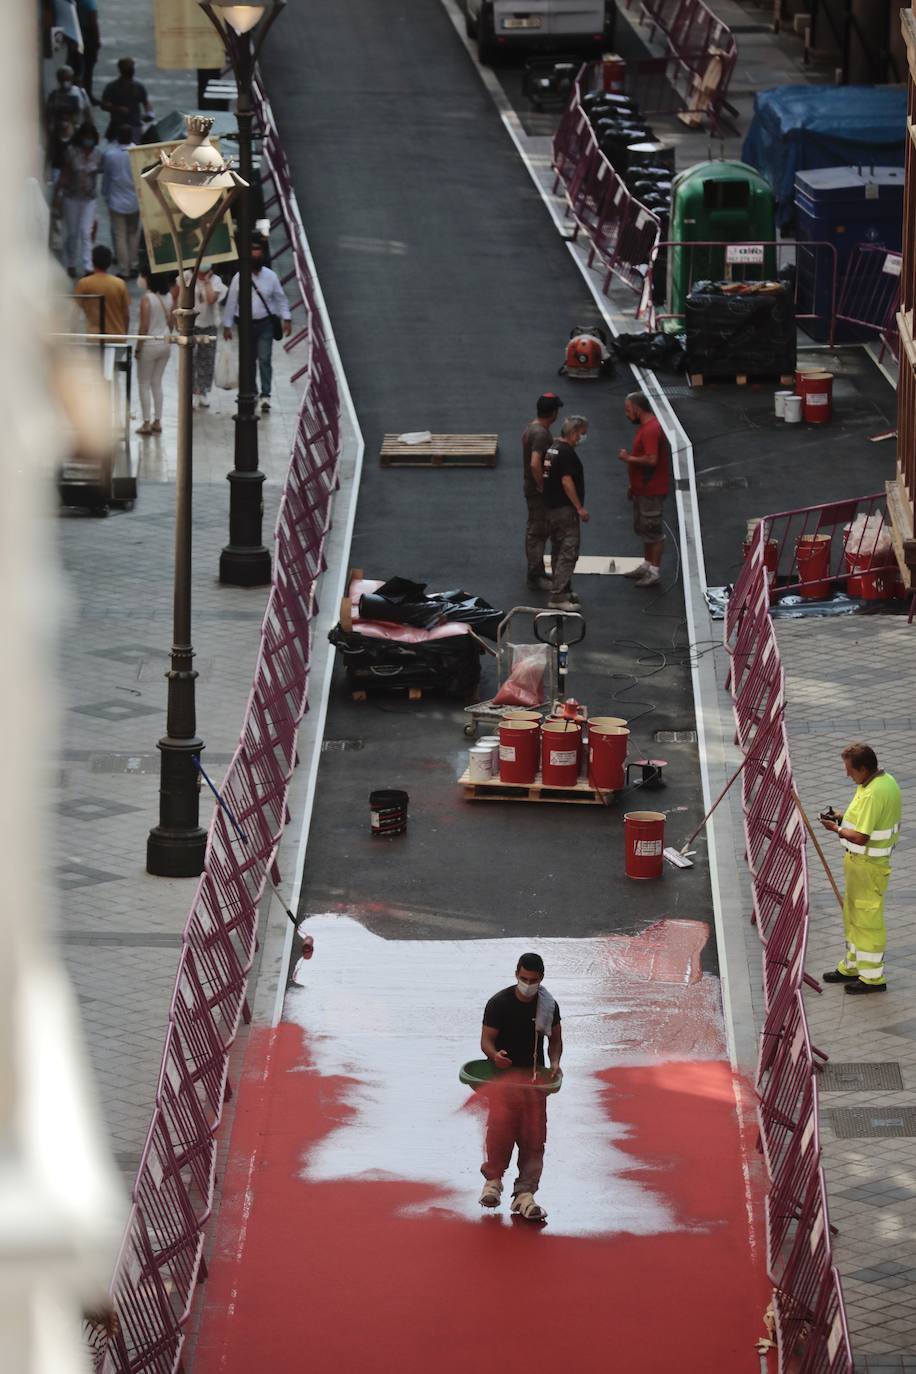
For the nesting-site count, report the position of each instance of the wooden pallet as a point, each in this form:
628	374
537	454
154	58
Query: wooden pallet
441	451
580	795
741	378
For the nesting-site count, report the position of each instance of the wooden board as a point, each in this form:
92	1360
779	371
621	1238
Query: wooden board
441	450
741	378
580	795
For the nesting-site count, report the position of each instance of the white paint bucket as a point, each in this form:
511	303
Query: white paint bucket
792	410
480	766
491	742
779	403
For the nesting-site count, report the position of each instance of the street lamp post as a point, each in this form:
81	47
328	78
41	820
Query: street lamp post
244	562
195	180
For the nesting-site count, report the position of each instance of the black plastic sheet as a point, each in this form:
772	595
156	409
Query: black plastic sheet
449	665
402	602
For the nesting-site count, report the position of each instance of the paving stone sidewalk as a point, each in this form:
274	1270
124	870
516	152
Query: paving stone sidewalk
120	928
852	679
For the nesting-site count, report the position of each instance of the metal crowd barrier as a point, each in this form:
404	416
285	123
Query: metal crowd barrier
161	1260
622	233
870	294
701	50
809	1320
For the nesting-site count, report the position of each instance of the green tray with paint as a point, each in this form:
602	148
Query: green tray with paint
477	1073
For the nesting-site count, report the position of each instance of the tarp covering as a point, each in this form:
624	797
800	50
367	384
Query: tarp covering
798	127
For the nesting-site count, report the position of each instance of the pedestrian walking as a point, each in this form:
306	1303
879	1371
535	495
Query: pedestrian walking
649	474
868	830
103	297
209	295
75	195
536	440
157	318
66	109
270	316
515	1024
88	14
125	101
120	195
564	498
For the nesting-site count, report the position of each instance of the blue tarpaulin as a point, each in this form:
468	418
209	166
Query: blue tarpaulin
796	128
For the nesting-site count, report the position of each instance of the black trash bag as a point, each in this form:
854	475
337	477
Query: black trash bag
740	327
659	351
446	665
403	602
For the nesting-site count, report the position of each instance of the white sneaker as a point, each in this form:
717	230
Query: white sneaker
639	571
204	400
649	578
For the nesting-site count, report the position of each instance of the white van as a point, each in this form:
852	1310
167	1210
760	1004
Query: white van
585	26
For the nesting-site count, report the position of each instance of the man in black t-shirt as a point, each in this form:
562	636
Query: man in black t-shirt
513	1039
125	102
536	440
564	497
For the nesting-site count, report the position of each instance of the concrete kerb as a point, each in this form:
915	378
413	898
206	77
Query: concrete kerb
715	728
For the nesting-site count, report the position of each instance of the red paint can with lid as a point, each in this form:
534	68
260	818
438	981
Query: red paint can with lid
812	555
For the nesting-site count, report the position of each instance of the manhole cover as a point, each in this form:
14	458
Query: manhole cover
860	1078
675	736
848	1122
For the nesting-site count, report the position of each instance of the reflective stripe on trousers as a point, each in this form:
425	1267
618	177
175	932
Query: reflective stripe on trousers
863	917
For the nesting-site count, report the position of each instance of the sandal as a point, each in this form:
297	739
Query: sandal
155	427
144	428
491	1192
524	1205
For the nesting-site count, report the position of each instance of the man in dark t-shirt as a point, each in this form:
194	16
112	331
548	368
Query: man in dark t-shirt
564	499
512	1038
125	102
536	440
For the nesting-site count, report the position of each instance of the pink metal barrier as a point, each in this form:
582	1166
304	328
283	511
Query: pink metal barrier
621	232
809	1320
161	1260
870	294
702	52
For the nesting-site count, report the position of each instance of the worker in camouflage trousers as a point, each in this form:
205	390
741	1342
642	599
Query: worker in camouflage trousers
868	830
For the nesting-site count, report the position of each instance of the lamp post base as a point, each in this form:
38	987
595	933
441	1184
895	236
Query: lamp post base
175	853
245	562
242	566
175	847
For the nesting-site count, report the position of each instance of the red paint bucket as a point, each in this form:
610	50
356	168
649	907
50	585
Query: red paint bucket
607	720
644	836
518	751
561	742
866	581
817	397
613	74
812	554
607	752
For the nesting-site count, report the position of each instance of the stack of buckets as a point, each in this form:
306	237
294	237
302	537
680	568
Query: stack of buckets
811	401
525	739
556	747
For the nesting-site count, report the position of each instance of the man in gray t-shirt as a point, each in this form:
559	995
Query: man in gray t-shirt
536	440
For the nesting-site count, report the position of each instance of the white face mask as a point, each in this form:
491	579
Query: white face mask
527	989
582	439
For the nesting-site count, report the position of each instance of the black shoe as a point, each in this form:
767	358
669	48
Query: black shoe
540	583
833	975
858	987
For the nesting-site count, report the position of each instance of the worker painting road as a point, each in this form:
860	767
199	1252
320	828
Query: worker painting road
351	1237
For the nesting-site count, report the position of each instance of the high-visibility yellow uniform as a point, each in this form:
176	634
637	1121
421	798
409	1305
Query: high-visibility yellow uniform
874	811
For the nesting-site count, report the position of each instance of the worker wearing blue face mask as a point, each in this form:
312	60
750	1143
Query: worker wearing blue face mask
515	1023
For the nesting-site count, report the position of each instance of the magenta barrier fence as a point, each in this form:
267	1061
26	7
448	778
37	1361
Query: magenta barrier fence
870	293
809	1321
161	1257
702	51
622	233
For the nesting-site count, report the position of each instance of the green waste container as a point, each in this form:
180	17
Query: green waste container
728	202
